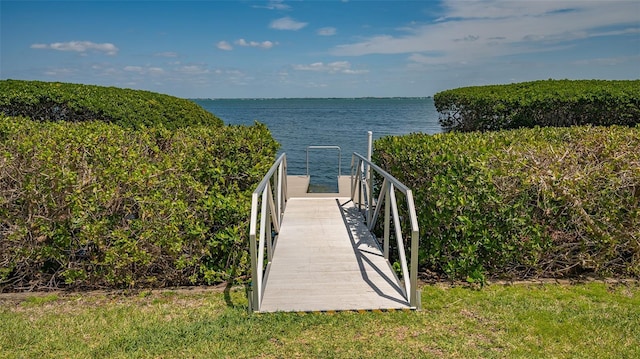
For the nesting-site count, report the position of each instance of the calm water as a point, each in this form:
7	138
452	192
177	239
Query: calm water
298	123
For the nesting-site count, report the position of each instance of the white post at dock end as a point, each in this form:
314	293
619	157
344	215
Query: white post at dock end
369	145
369	179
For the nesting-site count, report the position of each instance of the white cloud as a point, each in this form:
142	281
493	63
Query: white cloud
327	31
274	5
168	54
234	76
354	72
156	70
145	70
287	23
133	68
616	33
105	69
79	46
59	72
475	29
608	61
316	85
343	67
192	70
264	44
223	45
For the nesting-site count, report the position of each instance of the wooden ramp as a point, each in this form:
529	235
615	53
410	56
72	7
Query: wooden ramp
325	259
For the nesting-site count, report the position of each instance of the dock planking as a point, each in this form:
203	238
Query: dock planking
325	259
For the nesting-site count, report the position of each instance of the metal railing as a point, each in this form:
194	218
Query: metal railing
271	194
326	148
361	182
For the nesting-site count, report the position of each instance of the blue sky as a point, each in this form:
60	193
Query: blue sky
255	49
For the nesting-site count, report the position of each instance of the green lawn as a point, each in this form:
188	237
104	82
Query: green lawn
594	320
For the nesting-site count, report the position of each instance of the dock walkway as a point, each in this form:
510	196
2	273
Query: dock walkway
325	258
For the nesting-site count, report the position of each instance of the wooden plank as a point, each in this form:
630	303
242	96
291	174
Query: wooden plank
325	259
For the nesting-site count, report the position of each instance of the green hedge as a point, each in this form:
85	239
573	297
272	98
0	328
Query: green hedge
54	101
523	203
96	205
540	103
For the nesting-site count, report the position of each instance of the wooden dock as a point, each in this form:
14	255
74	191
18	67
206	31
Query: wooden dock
325	259
297	187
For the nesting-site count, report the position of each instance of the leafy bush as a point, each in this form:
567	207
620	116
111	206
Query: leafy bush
540	103
96	205
523	203
54	101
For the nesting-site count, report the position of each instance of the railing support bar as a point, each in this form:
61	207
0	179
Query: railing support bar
273	214
263	224
272	206
400	242
381	198
363	181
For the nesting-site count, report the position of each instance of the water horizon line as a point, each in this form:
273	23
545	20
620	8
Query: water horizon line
313	98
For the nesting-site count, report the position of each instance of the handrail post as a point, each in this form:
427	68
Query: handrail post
279	196
284	192
353	178
387	221
414	300
254	295
369	175
361	184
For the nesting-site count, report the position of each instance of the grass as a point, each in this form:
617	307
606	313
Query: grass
593	320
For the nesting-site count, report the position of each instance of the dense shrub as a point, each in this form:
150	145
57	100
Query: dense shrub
54	101
523	203
540	103
96	205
